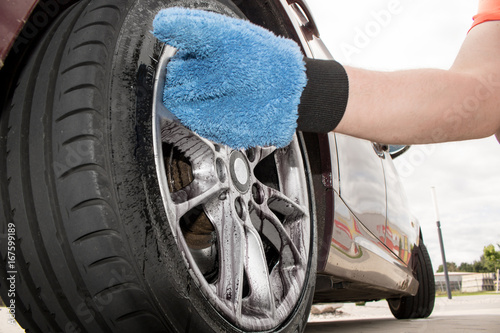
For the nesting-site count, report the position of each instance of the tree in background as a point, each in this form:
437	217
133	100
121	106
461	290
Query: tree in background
479	266
466	267
488	262
452	267
491	258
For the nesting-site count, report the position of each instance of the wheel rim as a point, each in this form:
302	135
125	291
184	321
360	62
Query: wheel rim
240	218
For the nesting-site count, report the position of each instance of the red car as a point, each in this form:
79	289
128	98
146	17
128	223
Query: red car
115	218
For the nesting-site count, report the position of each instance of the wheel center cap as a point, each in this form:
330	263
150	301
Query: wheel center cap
240	171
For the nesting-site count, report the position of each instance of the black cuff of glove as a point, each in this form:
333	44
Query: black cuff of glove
324	99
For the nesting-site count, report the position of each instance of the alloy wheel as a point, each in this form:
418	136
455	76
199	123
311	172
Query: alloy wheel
240	218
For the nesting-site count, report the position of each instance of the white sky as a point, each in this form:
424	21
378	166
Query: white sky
402	34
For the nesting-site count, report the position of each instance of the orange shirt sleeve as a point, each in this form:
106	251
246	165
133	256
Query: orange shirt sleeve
489	10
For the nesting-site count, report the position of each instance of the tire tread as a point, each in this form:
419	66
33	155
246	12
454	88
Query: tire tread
57	282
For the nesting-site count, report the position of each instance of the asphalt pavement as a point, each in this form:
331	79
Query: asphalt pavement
460	314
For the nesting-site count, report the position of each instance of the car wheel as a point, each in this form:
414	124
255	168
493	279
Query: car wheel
422	304
122	220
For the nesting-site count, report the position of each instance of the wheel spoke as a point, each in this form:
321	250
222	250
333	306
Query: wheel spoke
283	204
260	300
201	155
195	194
231	239
291	266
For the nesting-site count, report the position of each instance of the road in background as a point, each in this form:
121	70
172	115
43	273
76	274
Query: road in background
460	314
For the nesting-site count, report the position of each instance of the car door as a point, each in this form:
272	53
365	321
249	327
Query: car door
362	182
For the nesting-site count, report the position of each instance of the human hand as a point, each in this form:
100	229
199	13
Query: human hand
231	81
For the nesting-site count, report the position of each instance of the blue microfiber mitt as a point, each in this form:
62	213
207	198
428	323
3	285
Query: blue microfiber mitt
231	81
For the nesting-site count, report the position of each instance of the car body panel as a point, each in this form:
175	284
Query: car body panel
13	16
363	182
357	255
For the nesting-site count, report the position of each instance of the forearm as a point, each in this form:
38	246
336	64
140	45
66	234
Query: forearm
419	106
430	105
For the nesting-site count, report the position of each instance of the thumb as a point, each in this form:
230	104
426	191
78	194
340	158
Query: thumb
187	29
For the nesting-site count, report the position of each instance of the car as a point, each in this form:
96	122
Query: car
116	218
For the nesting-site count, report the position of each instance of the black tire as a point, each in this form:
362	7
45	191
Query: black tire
422	304
80	193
